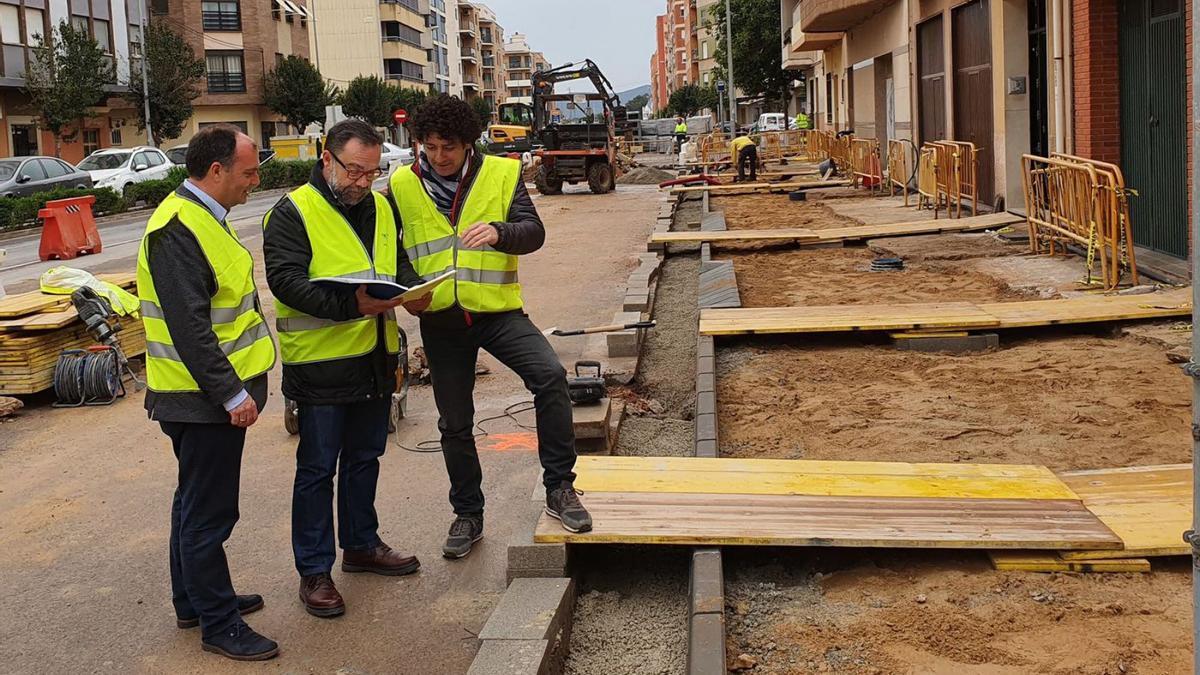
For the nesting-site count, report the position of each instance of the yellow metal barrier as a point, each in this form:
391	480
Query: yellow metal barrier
897	169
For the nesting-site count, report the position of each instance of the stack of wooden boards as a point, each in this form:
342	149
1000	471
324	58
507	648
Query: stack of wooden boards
36	327
1082	520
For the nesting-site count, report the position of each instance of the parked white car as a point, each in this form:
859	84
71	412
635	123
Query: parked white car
772	122
118	168
394	153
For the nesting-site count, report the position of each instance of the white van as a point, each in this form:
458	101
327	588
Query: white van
772	122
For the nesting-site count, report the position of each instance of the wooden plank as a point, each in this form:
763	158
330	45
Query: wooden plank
832	235
844	318
817	478
944	316
1047	561
801	520
758	187
33	302
1148	507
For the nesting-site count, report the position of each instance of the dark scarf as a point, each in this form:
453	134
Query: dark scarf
440	189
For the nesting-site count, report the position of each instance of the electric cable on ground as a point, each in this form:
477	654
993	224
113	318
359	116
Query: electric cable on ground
510	412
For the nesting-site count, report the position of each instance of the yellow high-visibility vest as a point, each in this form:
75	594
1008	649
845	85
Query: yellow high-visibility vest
486	279
681	128
236	314
338	252
736	145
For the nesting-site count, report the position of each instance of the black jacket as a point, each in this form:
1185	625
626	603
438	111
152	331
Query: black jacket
287	253
185	285
521	232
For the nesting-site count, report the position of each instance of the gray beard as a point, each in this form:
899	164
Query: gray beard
338	192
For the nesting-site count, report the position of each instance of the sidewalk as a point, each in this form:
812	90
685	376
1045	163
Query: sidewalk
85	498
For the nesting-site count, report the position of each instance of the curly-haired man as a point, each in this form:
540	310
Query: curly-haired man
465	210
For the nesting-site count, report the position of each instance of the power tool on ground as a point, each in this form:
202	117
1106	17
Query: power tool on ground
589	388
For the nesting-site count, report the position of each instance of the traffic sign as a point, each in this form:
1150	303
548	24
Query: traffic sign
400	116
720	85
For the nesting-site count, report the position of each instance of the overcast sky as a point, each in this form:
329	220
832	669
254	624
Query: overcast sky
617	34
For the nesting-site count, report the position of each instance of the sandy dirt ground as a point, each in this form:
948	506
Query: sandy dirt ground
773	212
779	278
86	493
1066	398
949	613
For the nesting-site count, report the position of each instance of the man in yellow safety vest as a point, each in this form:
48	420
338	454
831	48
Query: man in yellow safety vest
743	151
470	212
208	350
340	347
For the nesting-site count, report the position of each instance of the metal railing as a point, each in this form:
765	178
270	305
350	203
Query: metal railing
226	83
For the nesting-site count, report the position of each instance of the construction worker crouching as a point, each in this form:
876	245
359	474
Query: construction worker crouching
340	349
743	151
208	351
468	211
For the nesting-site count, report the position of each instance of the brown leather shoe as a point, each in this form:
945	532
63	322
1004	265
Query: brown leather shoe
321	597
380	560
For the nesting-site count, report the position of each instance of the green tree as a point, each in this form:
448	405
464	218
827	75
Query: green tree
756	71
371	99
637	102
686	101
483	109
175	76
296	90
65	78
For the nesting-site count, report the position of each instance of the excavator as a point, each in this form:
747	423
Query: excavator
571	150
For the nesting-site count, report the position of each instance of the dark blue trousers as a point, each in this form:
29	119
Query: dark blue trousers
347	440
203	514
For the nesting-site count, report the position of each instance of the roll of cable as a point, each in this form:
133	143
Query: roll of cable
887	265
101	376
68	378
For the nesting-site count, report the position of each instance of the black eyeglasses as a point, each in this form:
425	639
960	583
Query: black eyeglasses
355	174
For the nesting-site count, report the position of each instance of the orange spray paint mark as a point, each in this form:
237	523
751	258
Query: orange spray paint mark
518	440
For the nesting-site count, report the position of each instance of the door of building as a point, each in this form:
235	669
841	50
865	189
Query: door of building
24	140
931	74
1039	123
885	108
972	46
1153	121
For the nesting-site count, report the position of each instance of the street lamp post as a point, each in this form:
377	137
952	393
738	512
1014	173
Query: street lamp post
145	69
729	60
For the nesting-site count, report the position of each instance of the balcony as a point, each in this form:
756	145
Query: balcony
470	82
829	16
470	55
468	28
805	45
489	62
226	83
416	6
485	36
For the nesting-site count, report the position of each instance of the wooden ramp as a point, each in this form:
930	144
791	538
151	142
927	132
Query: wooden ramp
1148	507
699	501
840	234
945	316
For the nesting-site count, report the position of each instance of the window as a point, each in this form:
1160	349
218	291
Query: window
240	125
102	36
159	6
394	31
33	169
35	25
156	158
399	69
514	62
704	50
53	168
276	11
226	72
91	141
221	15
115	137
10	25
79	23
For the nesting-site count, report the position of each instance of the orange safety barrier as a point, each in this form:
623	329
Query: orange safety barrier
68	229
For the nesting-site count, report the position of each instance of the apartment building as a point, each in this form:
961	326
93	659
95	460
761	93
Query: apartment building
706	38
491	58
444	55
520	62
468	39
390	39
111	23
659	89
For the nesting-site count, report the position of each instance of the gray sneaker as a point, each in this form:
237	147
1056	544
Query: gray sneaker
464	532
563	503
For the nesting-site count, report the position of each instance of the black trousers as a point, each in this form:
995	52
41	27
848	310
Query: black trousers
203	514
748	155
348	440
452	347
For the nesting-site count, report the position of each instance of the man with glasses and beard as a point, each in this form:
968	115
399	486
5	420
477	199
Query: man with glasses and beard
339	348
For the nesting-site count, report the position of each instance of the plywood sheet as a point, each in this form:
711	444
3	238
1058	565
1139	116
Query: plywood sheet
817	478
799	520
1148	507
837	234
793	185
841	318
1048	561
946	316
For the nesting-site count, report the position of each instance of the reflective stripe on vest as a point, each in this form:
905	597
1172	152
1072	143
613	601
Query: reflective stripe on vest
237	321
486	279
338	252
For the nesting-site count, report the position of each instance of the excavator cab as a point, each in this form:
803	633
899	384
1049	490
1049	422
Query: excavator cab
514	131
